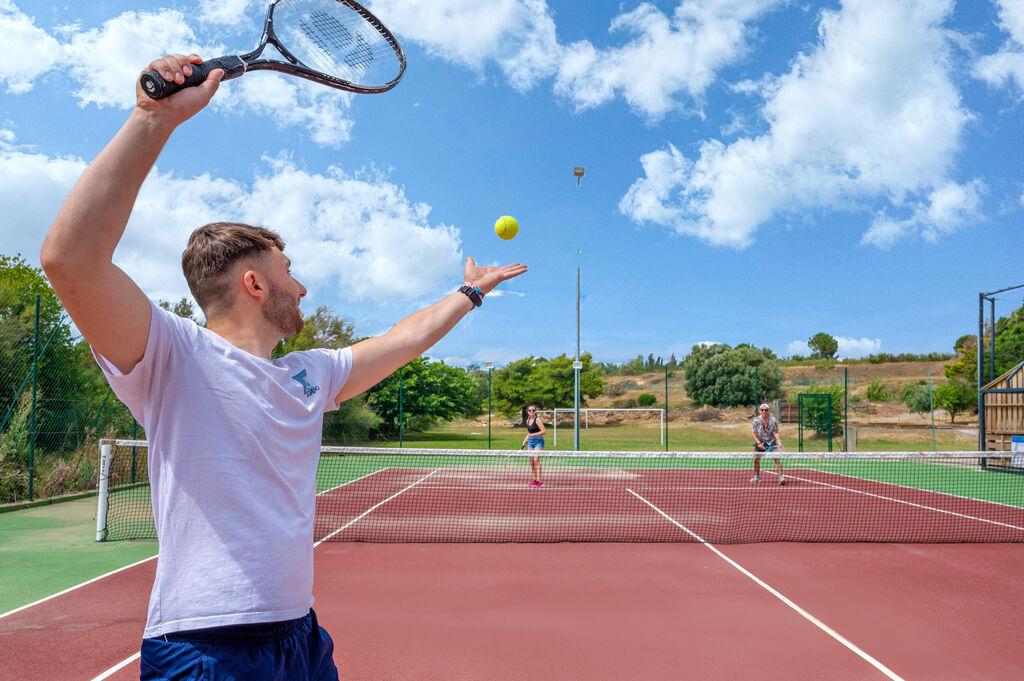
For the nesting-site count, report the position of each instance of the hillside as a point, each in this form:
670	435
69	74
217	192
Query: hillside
622	391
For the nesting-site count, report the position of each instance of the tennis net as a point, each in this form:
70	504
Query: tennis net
434	495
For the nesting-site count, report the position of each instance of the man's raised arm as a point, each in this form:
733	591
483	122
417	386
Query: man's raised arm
109	309
374	359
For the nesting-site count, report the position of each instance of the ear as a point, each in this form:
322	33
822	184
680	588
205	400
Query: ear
253	285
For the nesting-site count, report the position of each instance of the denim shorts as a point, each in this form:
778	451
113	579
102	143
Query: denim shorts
296	650
535	442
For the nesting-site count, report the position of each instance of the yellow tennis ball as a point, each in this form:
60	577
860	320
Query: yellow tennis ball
506	227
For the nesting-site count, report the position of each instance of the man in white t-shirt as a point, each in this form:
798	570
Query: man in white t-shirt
234	435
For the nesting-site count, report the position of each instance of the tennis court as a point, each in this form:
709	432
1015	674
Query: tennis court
446	565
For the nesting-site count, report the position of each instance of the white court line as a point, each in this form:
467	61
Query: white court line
124	663
116	668
144	560
77	586
372	508
917	489
908	503
803	613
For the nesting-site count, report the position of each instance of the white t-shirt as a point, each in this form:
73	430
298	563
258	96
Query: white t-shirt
234	443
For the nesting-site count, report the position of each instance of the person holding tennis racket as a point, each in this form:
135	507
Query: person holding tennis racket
765	430
234	435
534	441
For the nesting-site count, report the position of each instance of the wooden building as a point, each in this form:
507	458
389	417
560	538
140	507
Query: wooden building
1003	401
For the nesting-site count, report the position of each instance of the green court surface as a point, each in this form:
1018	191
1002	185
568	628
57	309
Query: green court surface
46	549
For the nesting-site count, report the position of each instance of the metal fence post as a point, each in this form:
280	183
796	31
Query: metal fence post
32	428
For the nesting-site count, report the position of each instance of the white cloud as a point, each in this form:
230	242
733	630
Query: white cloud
358	235
1006	66
32	188
798	348
466	32
107	61
291	103
228	13
28	51
947	208
648	71
869	115
853	347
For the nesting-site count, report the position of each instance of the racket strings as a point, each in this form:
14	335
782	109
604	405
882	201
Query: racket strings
336	40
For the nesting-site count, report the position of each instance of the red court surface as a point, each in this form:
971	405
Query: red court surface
596	612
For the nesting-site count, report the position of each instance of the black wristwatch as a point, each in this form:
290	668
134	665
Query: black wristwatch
475	294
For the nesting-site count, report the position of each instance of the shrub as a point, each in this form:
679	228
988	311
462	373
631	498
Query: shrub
916	398
13	484
646	400
707	414
877	392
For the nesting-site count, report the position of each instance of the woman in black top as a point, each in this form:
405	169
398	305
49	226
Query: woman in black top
534	441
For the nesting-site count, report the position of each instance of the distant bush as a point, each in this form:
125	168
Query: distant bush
885	357
646	400
614	389
707	414
877	392
916	398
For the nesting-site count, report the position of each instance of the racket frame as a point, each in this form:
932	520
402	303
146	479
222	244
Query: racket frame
154	85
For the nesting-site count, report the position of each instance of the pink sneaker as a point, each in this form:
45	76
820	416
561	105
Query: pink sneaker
536	483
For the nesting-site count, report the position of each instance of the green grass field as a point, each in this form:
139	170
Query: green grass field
682	437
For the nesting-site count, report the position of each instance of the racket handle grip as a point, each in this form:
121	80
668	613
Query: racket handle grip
154	85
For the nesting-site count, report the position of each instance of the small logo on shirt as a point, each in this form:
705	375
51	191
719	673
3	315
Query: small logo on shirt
306	387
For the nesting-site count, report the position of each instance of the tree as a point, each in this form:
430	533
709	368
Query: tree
546	383
182	308
816	411
62	380
916	398
955	397
823	345
430	391
322	329
722	376
354	420
1009	349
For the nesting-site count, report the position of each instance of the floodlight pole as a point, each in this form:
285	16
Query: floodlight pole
577	364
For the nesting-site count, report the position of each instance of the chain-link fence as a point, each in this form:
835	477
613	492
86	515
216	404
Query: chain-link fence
54	402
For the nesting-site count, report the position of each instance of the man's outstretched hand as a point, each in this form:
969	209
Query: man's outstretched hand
486	278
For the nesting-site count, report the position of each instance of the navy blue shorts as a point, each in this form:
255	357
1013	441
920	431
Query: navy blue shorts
296	650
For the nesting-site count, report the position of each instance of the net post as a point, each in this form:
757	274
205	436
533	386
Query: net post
102	497
661	429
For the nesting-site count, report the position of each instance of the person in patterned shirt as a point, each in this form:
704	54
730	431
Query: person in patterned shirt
765	430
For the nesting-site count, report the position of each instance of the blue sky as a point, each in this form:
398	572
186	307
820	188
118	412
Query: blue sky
756	170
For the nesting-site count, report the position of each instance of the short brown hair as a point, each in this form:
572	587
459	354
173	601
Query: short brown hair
212	250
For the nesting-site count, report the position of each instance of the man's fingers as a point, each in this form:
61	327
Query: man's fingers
174	67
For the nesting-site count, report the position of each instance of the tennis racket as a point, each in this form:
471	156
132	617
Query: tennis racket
336	43
513	461
774	448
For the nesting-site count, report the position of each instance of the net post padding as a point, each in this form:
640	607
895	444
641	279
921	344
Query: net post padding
102	498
